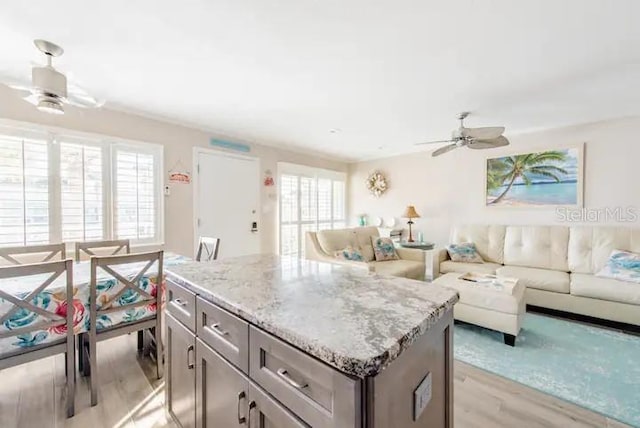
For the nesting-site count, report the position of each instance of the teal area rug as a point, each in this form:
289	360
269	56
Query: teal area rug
590	366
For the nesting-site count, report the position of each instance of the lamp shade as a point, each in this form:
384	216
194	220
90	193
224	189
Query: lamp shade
410	212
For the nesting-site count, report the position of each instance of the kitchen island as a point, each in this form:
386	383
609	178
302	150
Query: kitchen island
269	341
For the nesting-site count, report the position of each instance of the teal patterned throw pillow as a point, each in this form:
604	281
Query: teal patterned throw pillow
623	266
383	249
465	253
350	253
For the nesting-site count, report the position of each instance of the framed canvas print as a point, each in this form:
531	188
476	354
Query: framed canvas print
547	178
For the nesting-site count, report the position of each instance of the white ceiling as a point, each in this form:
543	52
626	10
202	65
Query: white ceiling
387	74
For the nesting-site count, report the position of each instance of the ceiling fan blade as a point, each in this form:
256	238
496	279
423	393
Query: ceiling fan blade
24	91
486	133
31	99
488	144
434	142
78	97
443	150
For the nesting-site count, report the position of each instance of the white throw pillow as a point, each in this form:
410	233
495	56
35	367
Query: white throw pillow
465	253
350	253
623	266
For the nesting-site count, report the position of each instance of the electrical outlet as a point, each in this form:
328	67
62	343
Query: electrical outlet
421	396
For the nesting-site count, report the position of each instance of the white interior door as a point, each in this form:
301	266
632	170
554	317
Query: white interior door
228	204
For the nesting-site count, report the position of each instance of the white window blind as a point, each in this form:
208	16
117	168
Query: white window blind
58	187
311	199
24	191
136	195
81	190
289	214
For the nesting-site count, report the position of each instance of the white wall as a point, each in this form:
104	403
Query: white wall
178	142
450	190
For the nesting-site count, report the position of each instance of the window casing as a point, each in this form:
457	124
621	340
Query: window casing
63	187
310	199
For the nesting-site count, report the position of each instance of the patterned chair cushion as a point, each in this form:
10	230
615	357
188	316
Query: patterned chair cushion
383	249
466	253
623	266
53	299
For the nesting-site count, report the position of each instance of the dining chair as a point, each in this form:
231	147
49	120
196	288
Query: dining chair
59	318
87	247
123	303
11	255
208	247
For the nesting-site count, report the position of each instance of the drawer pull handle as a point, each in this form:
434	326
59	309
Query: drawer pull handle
285	375
241	419
190	365
216	328
179	302
252	405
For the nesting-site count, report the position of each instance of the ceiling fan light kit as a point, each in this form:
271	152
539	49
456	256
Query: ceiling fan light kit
472	138
50	105
48	89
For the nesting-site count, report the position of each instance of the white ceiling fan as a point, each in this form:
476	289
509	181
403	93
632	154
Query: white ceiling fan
48	89
473	138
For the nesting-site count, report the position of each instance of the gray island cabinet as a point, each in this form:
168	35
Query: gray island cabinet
269	341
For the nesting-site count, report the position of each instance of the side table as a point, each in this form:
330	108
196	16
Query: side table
427	250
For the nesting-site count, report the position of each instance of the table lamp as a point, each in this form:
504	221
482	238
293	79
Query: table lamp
410	213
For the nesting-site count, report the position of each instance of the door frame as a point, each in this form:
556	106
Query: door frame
197	151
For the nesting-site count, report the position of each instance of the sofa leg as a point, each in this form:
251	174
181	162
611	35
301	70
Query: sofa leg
509	339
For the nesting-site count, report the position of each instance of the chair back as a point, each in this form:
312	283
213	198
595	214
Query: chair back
208	249
34	254
47	319
130	282
88	247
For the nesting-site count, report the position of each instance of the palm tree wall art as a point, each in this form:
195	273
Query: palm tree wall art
546	178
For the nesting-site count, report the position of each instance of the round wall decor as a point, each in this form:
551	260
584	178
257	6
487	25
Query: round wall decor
377	184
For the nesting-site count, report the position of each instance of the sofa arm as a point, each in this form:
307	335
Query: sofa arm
412	254
439	255
313	251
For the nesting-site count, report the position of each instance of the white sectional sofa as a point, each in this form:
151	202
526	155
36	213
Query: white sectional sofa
557	265
322	246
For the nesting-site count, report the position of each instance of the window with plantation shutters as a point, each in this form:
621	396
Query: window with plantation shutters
311	199
24	191
135	194
57	187
81	190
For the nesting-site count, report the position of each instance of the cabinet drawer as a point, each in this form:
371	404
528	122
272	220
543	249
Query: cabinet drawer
224	332
265	412
315	392
181	303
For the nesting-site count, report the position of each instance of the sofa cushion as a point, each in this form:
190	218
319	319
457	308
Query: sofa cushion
587	285
542	247
489	240
404	268
541	279
591	246
449	266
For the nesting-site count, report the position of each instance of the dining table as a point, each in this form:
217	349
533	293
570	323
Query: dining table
53	299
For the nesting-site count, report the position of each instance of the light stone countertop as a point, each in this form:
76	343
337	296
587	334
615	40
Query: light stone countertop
353	320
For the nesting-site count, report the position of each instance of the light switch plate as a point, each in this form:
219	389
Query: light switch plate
421	396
